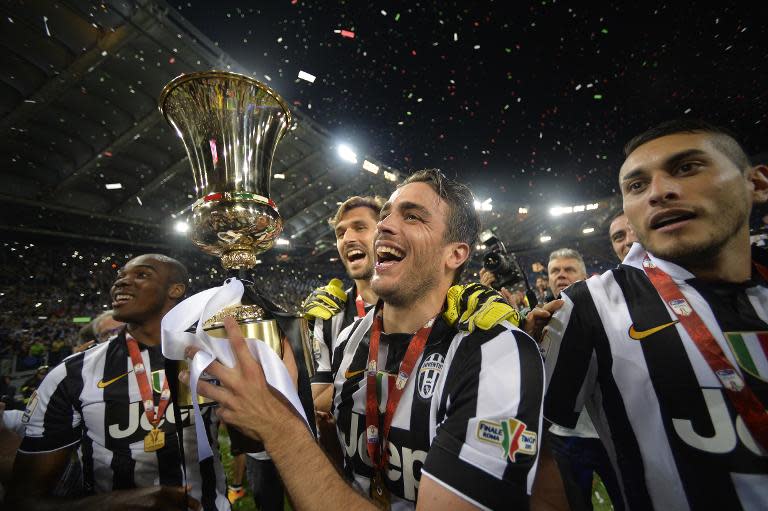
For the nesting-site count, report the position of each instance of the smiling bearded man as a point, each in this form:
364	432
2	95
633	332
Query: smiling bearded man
450	419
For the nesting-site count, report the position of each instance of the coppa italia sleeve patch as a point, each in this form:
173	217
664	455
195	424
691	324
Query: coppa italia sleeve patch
511	435
30	409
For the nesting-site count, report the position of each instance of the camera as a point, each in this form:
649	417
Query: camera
501	263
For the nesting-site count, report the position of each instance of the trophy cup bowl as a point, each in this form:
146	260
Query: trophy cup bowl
230	125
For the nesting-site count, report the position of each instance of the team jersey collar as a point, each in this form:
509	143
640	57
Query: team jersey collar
637	254
440	329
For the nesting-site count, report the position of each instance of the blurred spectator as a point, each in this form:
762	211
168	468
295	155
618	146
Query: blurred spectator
31	384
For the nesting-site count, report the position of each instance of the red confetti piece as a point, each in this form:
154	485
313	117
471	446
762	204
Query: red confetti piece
171	60
348	33
108	153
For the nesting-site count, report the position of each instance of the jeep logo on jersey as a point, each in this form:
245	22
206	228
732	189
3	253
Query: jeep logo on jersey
429	372
138	426
404	463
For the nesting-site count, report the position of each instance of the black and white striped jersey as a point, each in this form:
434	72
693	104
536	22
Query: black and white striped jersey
669	428
93	399
325	332
470	414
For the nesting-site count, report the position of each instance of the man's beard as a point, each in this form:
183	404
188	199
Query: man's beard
412	286
361	274
702	253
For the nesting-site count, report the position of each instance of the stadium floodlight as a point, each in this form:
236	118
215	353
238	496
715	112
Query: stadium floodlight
278	176
390	176
484	205
346	153
545	238
113	186
522	211
282	241
181	227
588	230
370	167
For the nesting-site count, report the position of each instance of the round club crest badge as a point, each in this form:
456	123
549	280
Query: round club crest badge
429	374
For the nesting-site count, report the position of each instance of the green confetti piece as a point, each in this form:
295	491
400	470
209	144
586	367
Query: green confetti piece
397	17
598	96
604	31
508	50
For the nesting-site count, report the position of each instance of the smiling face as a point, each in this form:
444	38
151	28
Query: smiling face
622	236
143	290
685	199
563	272
413	257
355	233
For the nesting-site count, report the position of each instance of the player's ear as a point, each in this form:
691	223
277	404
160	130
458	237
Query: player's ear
176	291
758	177
458	253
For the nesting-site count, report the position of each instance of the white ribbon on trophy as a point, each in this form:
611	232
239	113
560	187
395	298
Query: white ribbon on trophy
175	339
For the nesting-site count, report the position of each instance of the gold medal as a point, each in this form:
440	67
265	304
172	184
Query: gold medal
379	491
154	440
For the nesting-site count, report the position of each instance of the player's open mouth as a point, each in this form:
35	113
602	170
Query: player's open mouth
670	220
355	255
388	256
120	299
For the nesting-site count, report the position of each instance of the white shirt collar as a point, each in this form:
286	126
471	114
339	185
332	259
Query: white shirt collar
637	254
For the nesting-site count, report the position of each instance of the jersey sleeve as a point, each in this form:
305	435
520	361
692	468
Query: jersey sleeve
568	347
485	448
322	339
52	418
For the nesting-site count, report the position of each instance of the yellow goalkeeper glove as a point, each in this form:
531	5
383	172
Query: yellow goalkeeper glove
477	306
325	302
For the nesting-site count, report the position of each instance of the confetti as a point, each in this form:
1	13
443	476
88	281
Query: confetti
348	34
307	77
45	24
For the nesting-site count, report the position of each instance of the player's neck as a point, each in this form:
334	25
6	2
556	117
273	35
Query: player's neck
407	319
363	288
147	333
732	263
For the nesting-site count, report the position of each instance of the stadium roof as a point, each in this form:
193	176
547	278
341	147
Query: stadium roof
78	112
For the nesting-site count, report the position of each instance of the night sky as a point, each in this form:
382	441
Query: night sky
523	100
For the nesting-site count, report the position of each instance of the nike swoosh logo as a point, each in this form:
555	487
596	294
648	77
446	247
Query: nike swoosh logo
103	384
350	374
639	335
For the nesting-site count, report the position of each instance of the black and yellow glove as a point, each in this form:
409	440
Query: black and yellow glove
477	306
325	302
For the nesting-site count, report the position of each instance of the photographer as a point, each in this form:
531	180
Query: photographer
501	271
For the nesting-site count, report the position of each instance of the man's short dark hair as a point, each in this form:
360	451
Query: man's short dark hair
374	203
463	223
177	272
616	215
722	138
